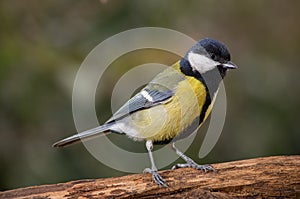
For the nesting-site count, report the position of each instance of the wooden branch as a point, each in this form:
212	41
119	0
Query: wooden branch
277	176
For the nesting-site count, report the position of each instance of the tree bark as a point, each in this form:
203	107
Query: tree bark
277	177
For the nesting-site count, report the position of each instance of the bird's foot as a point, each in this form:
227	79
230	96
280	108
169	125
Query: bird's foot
194	165
156	177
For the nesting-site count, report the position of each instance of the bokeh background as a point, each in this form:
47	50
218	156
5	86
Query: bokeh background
44	42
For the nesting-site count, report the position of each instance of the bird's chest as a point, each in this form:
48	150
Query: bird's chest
166	121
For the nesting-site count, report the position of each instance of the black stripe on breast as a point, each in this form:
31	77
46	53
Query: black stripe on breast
210	80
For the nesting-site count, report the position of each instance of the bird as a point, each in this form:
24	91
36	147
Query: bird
171	106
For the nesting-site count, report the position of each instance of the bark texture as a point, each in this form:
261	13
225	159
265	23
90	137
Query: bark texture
277	177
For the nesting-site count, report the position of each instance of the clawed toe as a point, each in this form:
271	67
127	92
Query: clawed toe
205	168
156	177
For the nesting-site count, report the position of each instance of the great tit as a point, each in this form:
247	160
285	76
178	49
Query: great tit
172	106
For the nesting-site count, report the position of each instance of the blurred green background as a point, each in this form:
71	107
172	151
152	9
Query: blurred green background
44	42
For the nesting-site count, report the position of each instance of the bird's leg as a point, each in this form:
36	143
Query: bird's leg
155	176
189	162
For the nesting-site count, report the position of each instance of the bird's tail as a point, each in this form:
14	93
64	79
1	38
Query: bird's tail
98	131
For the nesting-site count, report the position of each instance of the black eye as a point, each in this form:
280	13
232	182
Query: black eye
213	56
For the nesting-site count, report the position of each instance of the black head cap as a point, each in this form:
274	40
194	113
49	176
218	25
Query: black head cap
213	49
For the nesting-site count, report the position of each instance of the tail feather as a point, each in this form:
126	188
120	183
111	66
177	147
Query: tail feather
98	131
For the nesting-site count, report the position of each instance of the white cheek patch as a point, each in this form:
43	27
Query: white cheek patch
201	63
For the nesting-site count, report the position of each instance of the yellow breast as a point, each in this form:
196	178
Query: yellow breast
166	121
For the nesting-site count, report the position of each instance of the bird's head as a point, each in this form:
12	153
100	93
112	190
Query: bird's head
208	54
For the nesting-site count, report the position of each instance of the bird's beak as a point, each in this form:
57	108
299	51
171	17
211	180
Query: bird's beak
229	65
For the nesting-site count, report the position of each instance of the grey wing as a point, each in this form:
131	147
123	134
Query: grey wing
147	97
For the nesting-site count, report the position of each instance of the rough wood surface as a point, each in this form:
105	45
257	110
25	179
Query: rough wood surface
277	177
